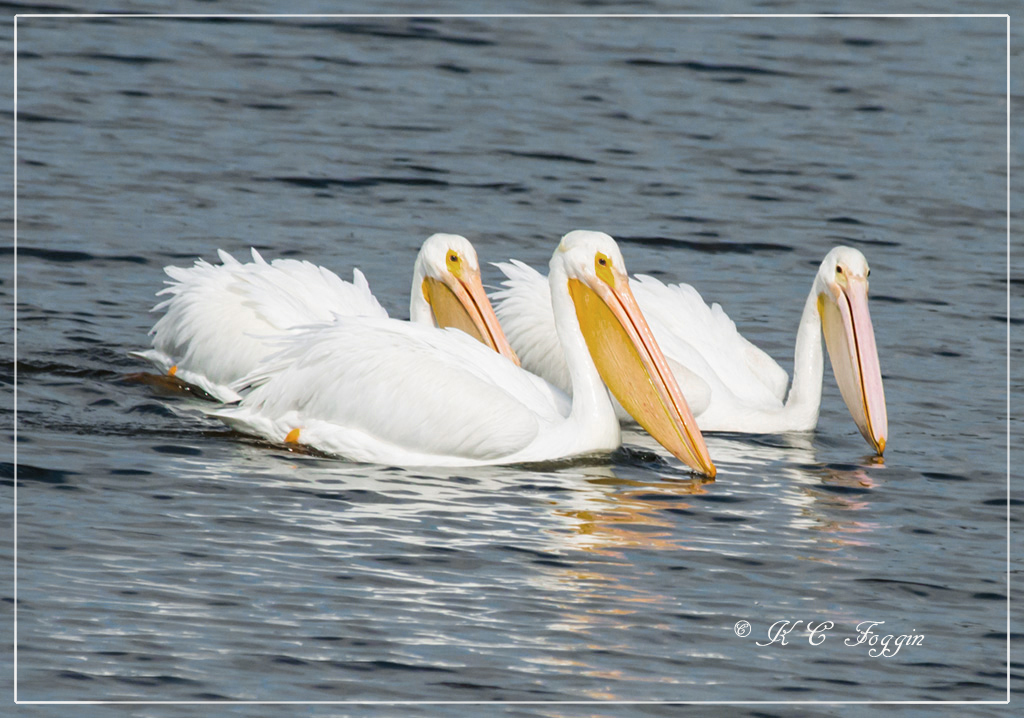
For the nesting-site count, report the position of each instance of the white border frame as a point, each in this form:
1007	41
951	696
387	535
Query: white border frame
505	703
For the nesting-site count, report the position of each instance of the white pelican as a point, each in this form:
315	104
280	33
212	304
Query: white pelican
731	384
221	320
391	392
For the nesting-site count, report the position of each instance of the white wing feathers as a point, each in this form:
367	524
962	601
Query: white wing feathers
523	307
290	292
386	391
220	319
678	311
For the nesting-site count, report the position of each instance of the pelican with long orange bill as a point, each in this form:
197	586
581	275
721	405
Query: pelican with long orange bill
397	393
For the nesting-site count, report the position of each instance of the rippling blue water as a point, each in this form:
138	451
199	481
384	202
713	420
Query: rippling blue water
162	557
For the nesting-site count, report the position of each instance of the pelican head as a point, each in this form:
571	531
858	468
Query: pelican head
622	346
447	292
842	289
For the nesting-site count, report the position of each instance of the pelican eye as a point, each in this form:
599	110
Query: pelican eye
839	269
454	262
603	268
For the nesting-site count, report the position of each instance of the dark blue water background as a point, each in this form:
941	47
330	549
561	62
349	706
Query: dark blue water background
163	557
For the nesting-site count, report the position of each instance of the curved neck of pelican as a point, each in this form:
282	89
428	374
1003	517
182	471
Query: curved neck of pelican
591	402
804	397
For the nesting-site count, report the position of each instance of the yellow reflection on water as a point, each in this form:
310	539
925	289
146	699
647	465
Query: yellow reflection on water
620	514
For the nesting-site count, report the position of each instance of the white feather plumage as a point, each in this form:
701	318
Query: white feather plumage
380	391
221	320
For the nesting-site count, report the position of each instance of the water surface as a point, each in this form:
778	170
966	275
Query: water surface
162	557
